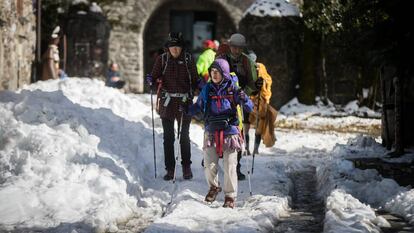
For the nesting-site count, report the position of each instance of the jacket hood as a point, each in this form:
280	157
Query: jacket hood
223	66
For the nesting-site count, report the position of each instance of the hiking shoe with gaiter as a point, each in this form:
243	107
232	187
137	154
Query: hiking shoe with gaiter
228	202
212	194
240	176
187	173
169	175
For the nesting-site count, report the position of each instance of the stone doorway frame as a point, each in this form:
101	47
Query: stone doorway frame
233	12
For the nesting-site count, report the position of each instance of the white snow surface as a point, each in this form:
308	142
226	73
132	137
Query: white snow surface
76	156
272	8
295	108
352	193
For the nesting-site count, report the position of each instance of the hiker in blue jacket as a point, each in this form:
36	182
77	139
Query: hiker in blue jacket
218	102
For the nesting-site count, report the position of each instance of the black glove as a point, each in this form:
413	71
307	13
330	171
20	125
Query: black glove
243	96
259	83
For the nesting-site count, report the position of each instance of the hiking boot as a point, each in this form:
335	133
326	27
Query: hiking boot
247	152
240	176
257	140
212	194
169	175
187	173
228	202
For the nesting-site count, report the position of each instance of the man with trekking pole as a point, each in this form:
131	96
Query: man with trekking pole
175	74
245	69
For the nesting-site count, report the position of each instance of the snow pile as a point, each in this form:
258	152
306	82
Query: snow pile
343	209
403	204
352	108
344	187
273	8
360	146
76	156
76	2
66	157
294	107
327	117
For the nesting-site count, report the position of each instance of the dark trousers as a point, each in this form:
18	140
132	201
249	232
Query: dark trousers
169	138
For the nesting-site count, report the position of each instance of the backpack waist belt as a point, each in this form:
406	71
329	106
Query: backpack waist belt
168	96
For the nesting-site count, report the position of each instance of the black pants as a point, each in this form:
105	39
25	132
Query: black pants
169	138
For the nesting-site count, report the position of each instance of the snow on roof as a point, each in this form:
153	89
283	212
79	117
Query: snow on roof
273	8
76	2
95	8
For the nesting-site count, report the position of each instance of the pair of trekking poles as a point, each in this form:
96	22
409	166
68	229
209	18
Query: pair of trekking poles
255	145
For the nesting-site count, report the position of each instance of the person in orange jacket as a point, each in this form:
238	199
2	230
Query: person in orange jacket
267	114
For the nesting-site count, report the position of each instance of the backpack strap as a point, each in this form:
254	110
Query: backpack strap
207	98
187	58
164	62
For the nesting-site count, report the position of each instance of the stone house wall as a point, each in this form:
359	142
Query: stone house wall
17	43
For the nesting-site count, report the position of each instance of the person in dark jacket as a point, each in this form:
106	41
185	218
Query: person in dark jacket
113	78
218	102
50	59
175	73
245	69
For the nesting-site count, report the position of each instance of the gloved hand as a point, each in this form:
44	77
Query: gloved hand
243	96
149	80
259	83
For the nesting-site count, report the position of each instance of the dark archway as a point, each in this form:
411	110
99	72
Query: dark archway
188	17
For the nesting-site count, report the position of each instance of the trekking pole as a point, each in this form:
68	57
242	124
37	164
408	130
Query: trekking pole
247	164
256	145
153	134
178	147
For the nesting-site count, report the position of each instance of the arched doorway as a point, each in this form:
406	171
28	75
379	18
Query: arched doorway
198	19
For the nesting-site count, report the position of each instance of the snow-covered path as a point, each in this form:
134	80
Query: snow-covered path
76	156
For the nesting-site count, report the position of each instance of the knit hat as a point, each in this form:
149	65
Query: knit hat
209	44
237	40
175	39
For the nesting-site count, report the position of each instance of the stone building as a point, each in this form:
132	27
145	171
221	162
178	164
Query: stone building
140	27
17	43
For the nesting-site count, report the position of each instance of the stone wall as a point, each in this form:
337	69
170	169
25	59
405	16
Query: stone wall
129	19
17	43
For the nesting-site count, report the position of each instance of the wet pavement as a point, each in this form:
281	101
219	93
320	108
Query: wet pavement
307	213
